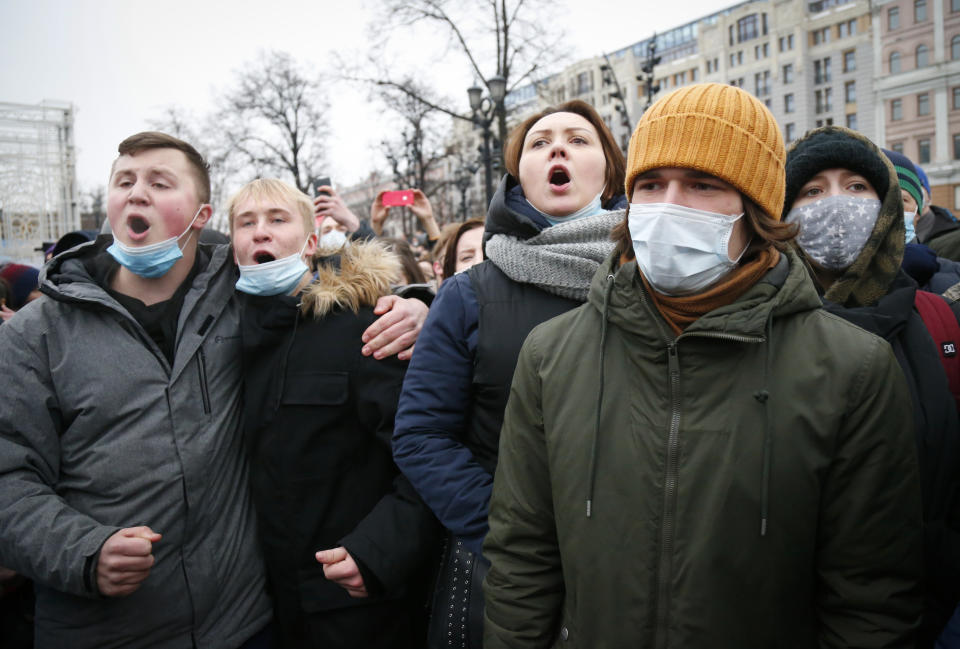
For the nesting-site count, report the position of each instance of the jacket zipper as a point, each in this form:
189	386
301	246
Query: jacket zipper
671	478
669	499
204	390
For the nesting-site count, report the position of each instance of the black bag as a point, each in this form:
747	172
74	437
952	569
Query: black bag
456	612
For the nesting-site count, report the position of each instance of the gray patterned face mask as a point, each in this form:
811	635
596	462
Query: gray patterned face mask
834	230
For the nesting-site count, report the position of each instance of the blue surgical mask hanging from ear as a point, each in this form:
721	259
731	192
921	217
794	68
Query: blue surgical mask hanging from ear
908	223
277	277
154	260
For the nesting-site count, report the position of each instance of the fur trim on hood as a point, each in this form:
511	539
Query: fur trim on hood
357	275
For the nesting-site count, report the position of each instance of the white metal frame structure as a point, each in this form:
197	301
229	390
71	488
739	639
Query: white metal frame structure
38	179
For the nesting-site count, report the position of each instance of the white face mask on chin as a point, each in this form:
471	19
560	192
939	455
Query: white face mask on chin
681	250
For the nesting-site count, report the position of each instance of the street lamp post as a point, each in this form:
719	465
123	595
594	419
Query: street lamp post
610	78
464	180
484	111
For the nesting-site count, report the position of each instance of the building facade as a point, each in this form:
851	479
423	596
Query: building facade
918	87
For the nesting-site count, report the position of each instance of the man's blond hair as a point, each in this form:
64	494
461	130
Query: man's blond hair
273	189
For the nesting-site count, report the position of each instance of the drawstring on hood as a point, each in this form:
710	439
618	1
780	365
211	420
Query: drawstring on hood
596	428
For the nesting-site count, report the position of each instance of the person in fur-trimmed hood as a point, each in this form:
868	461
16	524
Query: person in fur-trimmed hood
845	195
347	541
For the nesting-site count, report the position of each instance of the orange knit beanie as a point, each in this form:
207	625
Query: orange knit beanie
720	130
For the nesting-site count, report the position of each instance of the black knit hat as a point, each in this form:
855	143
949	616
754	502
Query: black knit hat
832	147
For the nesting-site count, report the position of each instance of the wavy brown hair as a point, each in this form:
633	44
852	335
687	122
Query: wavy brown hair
616	165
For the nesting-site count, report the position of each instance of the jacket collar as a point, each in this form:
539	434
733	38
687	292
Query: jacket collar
785	289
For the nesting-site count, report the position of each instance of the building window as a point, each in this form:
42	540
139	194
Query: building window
733	59
786	42
956	147
761	51
923	56
954	5
956	196
709	66
893	18
849	61
894	62
919	11
898	147
896	110
852	121
761	82
923	104
740	57
955	46
923	151
819	36
850	92
824	100
791	132
694	74
787	73
788	103
747	28
821	70
956	98
847	28
584	82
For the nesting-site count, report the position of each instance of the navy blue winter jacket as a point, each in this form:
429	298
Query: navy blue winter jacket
436	398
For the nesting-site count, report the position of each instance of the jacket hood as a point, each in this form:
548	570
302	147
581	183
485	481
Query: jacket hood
68	276
870	275
937	221
785	289
358	275
510	213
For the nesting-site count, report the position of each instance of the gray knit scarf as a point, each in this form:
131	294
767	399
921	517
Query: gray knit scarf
562	259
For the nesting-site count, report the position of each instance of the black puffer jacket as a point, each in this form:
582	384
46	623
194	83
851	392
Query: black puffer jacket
894	319
319	417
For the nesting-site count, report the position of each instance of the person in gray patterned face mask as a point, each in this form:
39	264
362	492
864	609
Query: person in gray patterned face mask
845	195
836	210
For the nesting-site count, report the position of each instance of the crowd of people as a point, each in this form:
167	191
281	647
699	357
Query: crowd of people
702	395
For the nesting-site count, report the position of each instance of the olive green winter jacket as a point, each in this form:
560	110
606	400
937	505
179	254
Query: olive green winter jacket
750	483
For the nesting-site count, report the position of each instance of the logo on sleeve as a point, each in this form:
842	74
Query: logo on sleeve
949	349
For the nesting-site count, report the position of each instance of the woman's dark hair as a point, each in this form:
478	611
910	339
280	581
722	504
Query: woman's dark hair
762	230
408	261
450	254
616	165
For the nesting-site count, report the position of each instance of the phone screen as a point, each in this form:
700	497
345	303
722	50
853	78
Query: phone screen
320	181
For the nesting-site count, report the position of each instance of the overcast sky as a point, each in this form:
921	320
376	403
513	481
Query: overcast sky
120	63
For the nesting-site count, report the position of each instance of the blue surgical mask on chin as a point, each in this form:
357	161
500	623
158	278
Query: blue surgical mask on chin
277	277
154	260
591	208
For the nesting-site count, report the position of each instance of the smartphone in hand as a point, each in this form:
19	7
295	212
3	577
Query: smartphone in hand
400	198
318	182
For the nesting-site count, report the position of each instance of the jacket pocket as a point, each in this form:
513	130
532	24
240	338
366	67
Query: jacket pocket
309	388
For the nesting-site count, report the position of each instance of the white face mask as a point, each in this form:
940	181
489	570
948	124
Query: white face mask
332	240
680	250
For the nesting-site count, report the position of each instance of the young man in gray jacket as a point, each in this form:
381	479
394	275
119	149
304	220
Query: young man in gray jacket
123	481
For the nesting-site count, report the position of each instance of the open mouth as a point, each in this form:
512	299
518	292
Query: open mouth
559	177
263	257
138	224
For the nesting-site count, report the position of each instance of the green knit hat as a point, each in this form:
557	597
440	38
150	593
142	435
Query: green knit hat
908	176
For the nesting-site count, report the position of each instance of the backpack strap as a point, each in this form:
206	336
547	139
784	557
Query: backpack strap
943	328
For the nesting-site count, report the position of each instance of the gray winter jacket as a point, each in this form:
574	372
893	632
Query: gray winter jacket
98	433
